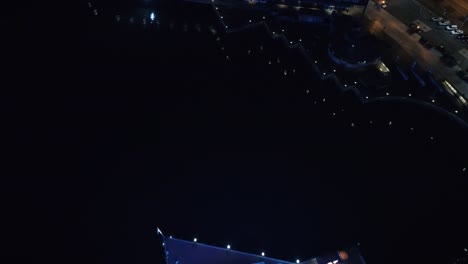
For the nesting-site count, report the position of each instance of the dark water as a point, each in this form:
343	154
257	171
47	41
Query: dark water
155	127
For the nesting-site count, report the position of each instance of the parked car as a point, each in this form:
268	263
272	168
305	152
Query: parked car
451	27
449	60
444	23
426	43
437	19
456	32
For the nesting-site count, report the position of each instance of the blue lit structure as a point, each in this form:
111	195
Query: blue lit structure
179	251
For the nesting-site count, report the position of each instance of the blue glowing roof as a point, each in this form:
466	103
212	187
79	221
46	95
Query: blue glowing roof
180	251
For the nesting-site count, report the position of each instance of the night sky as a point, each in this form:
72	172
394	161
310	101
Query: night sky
121	132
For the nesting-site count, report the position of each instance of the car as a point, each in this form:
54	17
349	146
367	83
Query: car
444	23
451	27
437	19
463	75
456	32
442	49
426	43
462	36
413	28
449	60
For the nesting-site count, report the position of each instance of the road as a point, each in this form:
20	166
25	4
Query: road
427	59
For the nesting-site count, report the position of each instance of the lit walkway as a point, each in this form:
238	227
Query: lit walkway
428	59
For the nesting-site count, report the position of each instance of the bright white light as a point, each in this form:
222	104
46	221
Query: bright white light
335	261
330	263
228	247
163	244
263	17
345	85
152	16
456	112
290	42
195	240
221	17
367	97
334	70
355	82
297	261
433	101
315	61
216	8
300	40
387	93
282	30
409	94
170	236
466	250
390	123
464	169
263	254
250	21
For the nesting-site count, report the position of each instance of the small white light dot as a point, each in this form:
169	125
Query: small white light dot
315	61
226	26
228	247
466	250
345	85
297	261
263	254
433	101
323	73
300	40
307	91
263	17
170	236
216	8
355	82
412	128
250	21
367	97
290	42
352	124
456	112
409	94
464	169
273	32
432	138
387	93
282	30
163	244
195	240
221	17
334	114
370	122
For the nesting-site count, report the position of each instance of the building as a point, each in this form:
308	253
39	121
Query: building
180	251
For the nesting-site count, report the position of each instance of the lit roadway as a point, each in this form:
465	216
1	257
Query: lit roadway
428	59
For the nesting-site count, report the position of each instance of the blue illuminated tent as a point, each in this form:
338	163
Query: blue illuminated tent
180	251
